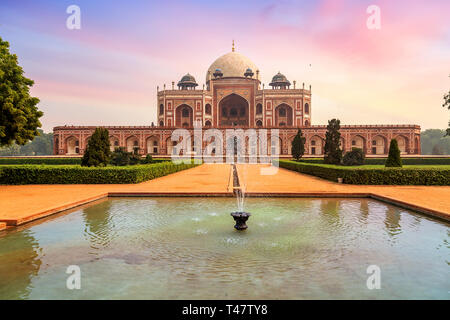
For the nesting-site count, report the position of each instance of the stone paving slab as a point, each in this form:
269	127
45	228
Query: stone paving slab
435	199
20	204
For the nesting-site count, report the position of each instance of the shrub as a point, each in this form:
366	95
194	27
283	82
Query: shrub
49	161
370	176
354	157
298	145
148	159
120	157
394	159
382	161
135	158
332	150
97	152
36	174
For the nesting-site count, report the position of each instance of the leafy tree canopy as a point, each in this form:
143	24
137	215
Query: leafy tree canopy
298	145
433	141
332	150
19	115
42	145
354	157
393	159
447	105
98	153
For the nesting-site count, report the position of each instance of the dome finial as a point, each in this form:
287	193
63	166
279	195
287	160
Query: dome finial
232	46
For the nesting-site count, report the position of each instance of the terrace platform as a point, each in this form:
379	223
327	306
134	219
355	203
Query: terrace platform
22	204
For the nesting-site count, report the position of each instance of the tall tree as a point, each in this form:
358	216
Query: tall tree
19	115
393	159
447	105
40	146
333	152
298	145
98	151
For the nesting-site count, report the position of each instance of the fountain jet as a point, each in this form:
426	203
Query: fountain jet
239	216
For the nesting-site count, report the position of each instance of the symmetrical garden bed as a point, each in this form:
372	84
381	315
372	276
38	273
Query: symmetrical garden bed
74	174
374	174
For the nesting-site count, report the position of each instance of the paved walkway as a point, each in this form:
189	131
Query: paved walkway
431	198
20	204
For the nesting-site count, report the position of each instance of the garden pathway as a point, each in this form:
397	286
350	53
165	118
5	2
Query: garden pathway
20	204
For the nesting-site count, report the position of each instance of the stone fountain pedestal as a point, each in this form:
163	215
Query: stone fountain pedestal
240	218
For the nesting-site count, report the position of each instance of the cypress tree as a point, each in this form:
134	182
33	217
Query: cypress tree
98	151
298	145
333	152
393	159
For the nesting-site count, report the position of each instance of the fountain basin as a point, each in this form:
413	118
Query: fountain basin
185	248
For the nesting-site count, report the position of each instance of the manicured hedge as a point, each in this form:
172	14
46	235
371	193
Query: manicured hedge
381	161
371	176
50	161
41	174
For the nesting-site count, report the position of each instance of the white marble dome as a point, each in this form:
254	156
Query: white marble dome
232	64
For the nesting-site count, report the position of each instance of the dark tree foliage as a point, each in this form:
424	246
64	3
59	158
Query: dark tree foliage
40	146
135	157
98	153
333	152
354	157
434	139
120	157
393	159
298	145
447	105
19	115
148	159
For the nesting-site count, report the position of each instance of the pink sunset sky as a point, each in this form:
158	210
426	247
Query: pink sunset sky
107	72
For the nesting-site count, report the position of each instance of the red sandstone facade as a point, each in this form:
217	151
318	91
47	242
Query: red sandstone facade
234	98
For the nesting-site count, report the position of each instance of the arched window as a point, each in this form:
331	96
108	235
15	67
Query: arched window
185	112
161	123
208	109
306	108
161	109
259	123
208	123
233	112
258	108
185	124
282	112
306	123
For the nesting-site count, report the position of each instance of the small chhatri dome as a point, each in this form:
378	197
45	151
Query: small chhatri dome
218	73
248	73
188	81
279	81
